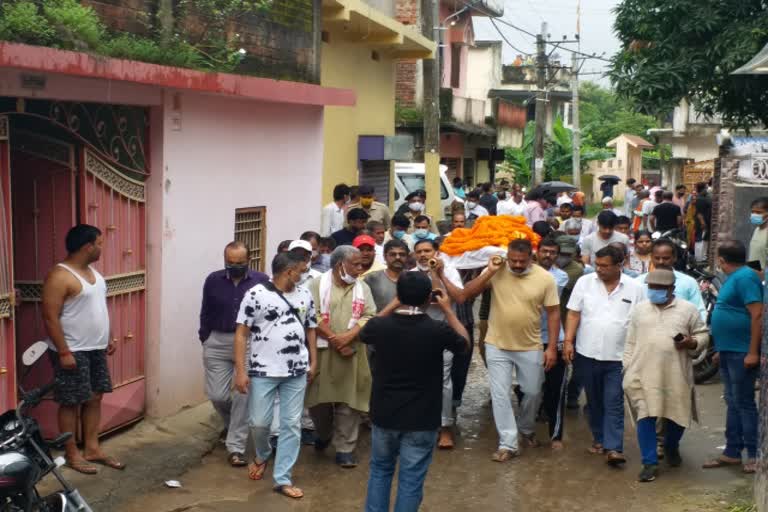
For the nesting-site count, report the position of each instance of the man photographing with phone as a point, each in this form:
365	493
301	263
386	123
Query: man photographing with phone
664	334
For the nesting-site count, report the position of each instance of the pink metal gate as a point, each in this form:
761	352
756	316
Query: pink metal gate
114	202
7	294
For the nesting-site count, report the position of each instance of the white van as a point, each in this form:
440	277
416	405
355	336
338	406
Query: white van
409	177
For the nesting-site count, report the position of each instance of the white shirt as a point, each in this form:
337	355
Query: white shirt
380	254
477	211
510	207
331	220
604	317
648	207
309	275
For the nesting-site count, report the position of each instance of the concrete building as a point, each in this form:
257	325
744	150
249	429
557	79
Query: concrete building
171	164
467	140
362	42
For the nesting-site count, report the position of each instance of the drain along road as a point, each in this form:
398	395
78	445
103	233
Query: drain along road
466	478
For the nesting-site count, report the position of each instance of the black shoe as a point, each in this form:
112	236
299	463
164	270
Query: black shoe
673	457
648	474
346	460
308	437
321	445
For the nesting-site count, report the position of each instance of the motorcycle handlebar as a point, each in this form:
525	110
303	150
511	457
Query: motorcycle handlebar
31	399
34	397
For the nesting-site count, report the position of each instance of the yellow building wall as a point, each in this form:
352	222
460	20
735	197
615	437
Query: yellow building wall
351	66
482	172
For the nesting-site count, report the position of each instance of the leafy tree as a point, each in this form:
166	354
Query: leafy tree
604	116
558	153
675	49
521	159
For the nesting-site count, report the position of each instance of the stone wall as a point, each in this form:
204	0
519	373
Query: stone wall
281	42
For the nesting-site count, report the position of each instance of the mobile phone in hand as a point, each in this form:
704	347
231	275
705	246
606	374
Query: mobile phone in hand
435	296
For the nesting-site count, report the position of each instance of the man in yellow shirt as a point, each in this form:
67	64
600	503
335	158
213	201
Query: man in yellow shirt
520	291
376	211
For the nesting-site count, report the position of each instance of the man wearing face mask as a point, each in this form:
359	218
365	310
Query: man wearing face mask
664	334
342	389
223	292
472	208
356	220
422	225
520	291
399	231
758	245
446	279
376	211
303	249
416	203
316	260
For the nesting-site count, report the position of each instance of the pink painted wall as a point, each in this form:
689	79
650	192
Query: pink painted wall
227	154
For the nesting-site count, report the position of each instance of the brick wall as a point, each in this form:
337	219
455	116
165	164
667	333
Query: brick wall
282	42
407	13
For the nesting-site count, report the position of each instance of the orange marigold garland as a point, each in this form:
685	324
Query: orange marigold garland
489	230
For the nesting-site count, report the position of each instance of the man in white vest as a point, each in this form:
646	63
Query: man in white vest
77	321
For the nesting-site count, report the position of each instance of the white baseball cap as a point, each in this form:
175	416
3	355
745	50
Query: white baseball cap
300	244
607	199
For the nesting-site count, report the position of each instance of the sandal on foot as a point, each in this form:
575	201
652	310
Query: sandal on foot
596	449
256	470
289	491
82	466
503	455
721	462
108	461
750	467
445	441
530	440
236	460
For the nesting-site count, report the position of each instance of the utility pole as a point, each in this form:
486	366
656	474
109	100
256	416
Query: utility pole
431	105
575	124
542	65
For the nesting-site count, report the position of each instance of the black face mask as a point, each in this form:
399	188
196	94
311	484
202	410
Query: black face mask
236	271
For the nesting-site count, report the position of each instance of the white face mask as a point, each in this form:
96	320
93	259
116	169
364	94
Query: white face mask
421	233
471	205
416	207
346	277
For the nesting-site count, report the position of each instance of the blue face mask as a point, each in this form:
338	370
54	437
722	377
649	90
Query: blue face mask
756	219
399	234
657	296
421	233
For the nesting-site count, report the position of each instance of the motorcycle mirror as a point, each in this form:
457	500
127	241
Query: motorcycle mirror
656	235
34	352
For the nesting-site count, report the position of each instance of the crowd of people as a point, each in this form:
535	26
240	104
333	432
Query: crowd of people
367	322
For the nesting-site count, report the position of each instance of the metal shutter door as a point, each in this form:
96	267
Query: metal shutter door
376	174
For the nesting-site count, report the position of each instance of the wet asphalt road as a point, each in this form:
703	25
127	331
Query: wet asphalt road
466	478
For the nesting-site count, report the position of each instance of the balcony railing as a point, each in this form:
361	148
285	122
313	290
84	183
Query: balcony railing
468	110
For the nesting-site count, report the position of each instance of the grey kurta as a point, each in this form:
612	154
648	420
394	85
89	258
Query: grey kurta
658	378
342	379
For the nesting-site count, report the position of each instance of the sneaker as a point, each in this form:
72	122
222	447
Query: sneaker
673	457
648	474
346	460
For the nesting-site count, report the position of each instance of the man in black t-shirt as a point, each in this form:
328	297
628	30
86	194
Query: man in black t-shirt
667	215
406	400
703	212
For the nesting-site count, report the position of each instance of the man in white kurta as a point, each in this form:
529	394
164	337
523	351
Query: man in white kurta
664	334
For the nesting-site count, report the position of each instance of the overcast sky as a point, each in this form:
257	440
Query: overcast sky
596	28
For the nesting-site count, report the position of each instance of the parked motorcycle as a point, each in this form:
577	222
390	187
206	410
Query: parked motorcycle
25	457
704	366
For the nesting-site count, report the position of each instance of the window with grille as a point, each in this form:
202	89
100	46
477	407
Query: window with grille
251	229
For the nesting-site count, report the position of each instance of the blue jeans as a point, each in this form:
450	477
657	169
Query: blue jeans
261	403
415	451
646	438
605	395
741	416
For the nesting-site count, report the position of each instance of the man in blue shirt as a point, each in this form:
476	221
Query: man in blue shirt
737	330
664	256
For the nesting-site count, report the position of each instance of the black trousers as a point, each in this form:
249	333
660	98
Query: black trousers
460	368
554	398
